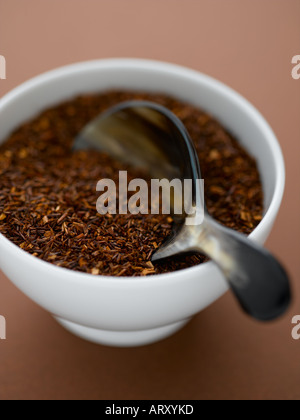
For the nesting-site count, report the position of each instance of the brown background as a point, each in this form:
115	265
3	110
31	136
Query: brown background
222	354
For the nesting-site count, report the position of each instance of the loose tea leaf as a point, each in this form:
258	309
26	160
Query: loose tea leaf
48	194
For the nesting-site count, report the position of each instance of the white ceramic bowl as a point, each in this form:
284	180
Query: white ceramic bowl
135	311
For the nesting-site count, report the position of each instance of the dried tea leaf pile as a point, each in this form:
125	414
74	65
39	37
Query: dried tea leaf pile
48	194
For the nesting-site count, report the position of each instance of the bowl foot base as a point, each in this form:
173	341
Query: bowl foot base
122	338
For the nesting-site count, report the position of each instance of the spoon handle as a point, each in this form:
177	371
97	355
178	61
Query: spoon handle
257	279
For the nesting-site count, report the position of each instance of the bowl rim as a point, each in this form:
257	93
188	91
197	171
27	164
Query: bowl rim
181	71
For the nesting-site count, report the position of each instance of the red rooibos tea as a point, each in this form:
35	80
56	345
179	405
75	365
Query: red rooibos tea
48	194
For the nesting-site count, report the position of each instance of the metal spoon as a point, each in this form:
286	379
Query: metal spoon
148	135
